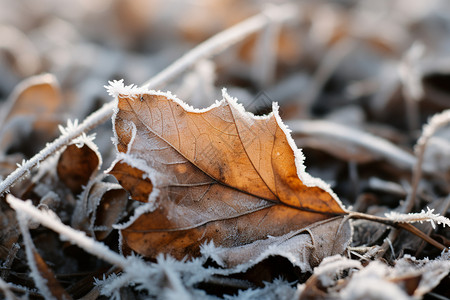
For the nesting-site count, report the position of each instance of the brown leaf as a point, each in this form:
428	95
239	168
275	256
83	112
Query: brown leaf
112	204
76	165
52	283
35	102
218	174
100	208
304	248
132	178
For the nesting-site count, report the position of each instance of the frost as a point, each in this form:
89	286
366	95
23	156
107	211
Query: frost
431	272
303	248
117	87
81	140
5	288
427	216
371	283
333	265
155	178
437	121
70	127
278	289
21	165
305	177
50	219
41	283
208	249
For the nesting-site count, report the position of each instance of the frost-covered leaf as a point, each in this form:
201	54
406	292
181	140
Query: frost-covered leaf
99	208
53	284
33	107
77	164
217	174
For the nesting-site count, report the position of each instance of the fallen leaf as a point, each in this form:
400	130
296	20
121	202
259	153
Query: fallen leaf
134	180
52	283
217	174
304	248
100	207
77	164
32	108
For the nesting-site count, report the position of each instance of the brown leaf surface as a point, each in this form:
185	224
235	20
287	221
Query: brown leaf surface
76	165
218	174
35	102
52	283
101	206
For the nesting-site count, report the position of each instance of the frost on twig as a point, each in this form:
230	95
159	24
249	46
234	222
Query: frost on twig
39	280
81	140
427	216
50	219
436	122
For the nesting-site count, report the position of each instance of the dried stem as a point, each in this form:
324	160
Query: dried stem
210	47
79	238
39	280
5	288
436	122
405	226
422	235
89	123
9	260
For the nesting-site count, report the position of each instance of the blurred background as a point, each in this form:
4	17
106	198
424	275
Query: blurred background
335	53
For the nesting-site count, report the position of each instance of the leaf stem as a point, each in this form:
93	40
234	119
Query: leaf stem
405	226
210	47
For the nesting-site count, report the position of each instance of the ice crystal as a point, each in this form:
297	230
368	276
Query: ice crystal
419	217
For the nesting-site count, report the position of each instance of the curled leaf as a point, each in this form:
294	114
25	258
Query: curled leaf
33	107
217	174
77	165
100	207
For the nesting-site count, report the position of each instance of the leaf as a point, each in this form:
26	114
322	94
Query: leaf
33	107
52	283
43	277
77	164
218	174
99	208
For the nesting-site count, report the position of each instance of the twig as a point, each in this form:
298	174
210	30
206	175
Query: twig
4	287
412	85
406	226
39	281
79	238
89	123
436	122
210	47
9	260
